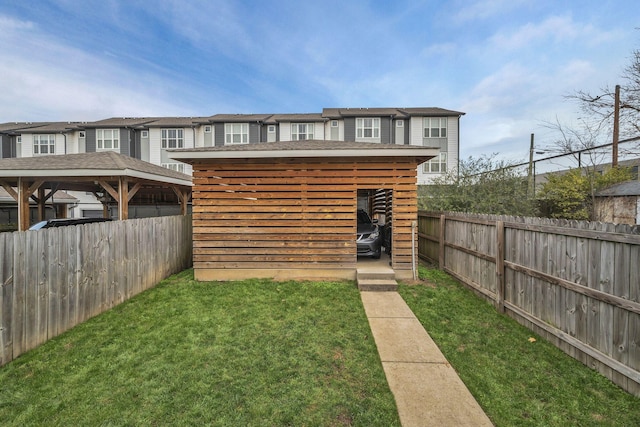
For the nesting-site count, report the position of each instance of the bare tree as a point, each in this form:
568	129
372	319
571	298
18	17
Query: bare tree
601	106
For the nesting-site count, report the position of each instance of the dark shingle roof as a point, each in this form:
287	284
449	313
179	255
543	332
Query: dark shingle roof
400	113
13	126
239	118
303	117
430	111
629	188
119	122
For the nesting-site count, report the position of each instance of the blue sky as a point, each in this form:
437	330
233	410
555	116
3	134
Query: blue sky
506	63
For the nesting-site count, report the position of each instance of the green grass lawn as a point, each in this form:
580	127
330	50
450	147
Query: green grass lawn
517	382
250	353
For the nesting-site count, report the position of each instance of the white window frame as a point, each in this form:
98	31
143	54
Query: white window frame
207	129
271	128
301	131
114	140
144	134
82	134
435	127
334	123
368	128
236	133
172	138
400	123
437	164
46	142
178	167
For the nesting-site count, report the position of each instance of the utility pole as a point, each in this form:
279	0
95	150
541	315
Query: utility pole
616	128
531	177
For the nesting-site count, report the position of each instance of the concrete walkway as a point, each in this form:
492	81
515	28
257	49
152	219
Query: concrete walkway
427	390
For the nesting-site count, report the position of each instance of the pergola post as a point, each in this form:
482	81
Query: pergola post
23	204
123	198
41	202
183	199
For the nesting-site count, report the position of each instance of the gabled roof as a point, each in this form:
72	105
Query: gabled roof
238	118
399	113
120	122
303	149
52	127
296	118
337	113
13	126
430	111
89	164
629	188
175	122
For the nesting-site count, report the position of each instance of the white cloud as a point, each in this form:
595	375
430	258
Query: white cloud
483	9
58	82
554	28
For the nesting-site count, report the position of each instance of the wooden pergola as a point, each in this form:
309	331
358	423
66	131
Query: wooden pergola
108	175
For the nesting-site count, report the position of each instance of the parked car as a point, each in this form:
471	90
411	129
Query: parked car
49	223
369	236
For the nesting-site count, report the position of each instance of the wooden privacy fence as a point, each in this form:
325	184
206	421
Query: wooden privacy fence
575	283
56	278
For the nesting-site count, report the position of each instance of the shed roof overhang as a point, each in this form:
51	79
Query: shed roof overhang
107	172
305	149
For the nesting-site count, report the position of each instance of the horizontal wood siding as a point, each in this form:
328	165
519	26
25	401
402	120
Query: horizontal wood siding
292	213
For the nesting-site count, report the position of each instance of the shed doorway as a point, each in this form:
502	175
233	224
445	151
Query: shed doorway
377	204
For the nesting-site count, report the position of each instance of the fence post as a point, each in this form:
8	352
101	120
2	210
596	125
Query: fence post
441	242
500	264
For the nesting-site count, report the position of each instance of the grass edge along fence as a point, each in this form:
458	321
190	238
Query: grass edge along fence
576	283
56	278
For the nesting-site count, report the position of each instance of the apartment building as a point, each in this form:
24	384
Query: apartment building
148	138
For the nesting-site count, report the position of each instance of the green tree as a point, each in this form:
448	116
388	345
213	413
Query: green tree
571	195
479	185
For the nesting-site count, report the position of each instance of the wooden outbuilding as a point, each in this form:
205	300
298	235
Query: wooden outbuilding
619	203
288	209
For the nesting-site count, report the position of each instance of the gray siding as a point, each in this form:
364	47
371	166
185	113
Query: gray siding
90	140
407	140
5	146
219	131
254	132
135	149
125	142
349	128
385	130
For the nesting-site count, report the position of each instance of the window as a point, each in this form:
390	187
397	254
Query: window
82	134
368	128
271	129
107	139
301	131
236	133
334	123
207	129
144	134
437	164
172	138
44	144
400	123
178	167
435	127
